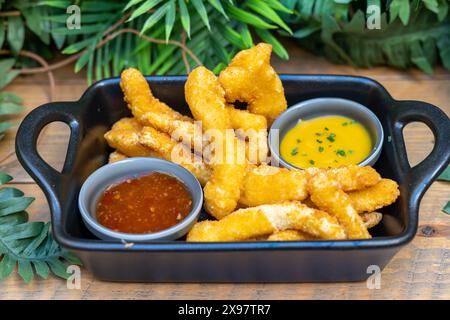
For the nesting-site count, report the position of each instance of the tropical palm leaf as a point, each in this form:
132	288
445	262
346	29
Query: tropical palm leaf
29	246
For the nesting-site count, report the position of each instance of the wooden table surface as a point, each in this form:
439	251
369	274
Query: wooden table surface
421	270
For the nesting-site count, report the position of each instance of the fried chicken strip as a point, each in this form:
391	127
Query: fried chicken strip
370	219
252	128
124	136
266	184
206	100
375	197
150	111
350	177
174	151
328	196
250	78
258	221
139	97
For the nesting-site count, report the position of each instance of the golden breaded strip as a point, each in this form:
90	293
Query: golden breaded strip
253	129
206	101
116	156
184	130
328	196
139	97
254	222
205	98
266	184
149	111
373	198
371	219
350	177
173	151
127	142
290	235
245	120
222	189
127	124
250	78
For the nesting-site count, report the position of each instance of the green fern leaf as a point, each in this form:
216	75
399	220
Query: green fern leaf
145	7
185	17
27	245
201	10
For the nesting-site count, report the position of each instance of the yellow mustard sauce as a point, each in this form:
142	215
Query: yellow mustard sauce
326	142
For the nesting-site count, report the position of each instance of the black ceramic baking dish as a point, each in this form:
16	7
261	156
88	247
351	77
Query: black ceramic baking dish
178	261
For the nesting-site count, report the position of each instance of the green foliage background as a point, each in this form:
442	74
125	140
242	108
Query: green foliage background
413	32
29	246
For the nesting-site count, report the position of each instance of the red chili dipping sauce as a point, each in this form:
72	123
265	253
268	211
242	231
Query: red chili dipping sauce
144	204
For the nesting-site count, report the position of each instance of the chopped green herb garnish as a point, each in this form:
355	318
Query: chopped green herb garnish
350	151
312	161
336	161
341	153
327	129
319	141
345	124
298	140
294	151
304	154
321	149
318	134
331	137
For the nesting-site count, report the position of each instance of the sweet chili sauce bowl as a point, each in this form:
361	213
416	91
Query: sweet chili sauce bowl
116	172
317	107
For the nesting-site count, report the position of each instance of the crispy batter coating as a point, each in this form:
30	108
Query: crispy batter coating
250	78
290	235
139	97
371	219
266	184
184	130
373	198
222	190
253	129
328	196
124	136
350	177
116	156
206	100
173	151
245	120
258	221
127	124
149	111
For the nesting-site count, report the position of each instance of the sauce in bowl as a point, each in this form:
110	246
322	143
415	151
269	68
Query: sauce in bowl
326	142
144	204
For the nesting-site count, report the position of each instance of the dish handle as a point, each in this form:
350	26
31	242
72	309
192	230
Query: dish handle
420	176
27	137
